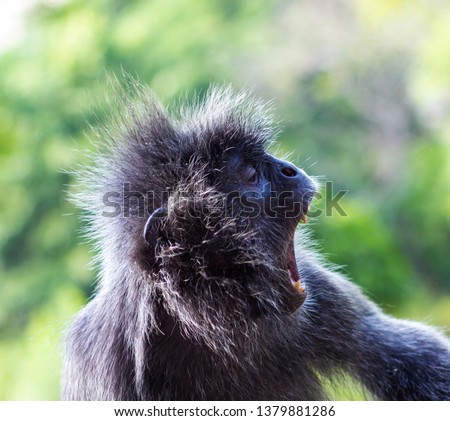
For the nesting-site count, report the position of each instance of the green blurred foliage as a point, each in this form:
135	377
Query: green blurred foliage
362	87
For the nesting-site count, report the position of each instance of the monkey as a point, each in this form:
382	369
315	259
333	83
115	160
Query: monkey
209	285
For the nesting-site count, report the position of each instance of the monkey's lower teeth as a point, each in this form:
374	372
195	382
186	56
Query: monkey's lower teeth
298	286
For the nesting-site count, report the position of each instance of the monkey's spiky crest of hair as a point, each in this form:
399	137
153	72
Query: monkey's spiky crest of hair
223	108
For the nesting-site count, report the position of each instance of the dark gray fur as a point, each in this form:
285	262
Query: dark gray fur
166	324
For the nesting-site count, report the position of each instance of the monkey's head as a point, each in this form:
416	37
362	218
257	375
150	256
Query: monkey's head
208	215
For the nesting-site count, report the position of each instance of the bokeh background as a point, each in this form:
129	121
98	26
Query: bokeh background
363	91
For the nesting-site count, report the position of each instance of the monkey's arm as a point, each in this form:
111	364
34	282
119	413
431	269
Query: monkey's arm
394	359
404	360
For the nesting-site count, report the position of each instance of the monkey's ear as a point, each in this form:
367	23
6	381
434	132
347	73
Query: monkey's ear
153	226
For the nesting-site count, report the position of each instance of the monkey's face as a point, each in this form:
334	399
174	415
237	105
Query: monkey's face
275	196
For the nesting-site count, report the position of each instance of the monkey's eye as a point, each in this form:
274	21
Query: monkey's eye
250	175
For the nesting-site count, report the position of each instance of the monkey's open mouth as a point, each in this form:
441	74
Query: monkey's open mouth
294	275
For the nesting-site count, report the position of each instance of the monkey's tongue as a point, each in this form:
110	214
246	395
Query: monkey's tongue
293	270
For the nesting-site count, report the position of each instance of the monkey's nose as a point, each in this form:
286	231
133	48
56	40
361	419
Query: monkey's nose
289	171
297	179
